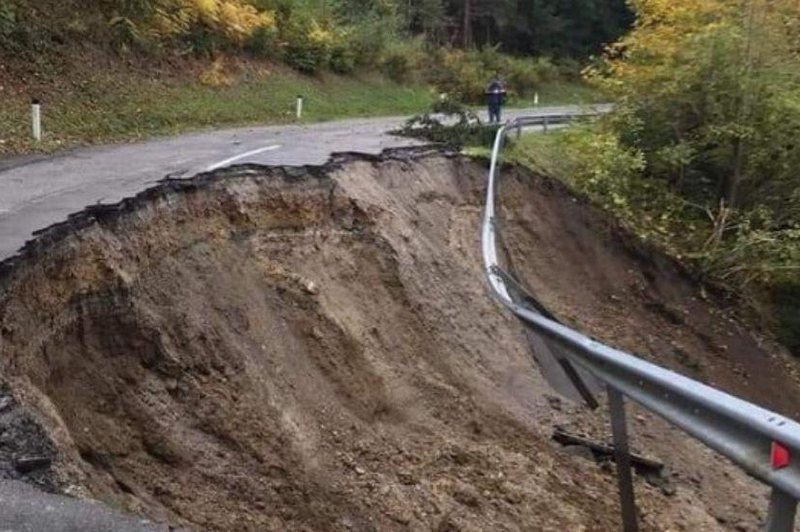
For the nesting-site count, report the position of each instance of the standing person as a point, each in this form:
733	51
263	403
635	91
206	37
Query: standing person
495	94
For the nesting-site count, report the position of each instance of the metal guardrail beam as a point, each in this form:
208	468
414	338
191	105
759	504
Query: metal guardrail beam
763	443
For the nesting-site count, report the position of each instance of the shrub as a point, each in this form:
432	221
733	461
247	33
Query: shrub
606	171
215	76
464	75
343	54
568	69
124	32
343	59
263	42
522	77
397	67
308	46
202	41
490	59
747	247
402	60
237	22
16	35
786	302
8	22
594	162
205	25
458	74
369	39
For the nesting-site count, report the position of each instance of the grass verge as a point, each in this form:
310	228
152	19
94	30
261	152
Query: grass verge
120	105
561	93
109	109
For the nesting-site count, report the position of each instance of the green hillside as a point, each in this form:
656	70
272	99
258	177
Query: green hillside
127	69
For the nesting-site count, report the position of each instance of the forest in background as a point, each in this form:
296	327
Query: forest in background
528	41
555	28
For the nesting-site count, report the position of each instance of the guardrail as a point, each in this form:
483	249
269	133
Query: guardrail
763	443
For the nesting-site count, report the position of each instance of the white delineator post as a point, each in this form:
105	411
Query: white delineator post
536	99
299	106
36	118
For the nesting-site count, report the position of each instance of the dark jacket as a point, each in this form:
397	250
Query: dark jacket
495	93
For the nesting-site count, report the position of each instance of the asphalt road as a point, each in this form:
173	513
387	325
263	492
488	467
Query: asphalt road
23	508
37	193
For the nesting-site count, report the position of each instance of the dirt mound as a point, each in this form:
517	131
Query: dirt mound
313	349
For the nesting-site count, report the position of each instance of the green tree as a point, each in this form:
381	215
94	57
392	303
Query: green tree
709	92
563	28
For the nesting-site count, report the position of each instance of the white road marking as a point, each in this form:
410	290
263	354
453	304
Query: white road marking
226	162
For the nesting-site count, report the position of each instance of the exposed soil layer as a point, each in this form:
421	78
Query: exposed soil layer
314	349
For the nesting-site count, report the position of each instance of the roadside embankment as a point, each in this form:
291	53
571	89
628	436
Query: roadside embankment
312	348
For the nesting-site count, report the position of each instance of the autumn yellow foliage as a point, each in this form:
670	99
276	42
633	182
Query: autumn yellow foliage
673	37
319	35
215	75
234	20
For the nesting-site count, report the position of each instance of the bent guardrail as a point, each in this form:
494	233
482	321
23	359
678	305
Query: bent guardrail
763	443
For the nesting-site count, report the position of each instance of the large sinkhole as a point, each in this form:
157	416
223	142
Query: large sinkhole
314	349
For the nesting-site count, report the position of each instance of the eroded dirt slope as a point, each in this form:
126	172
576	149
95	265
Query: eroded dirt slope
313	349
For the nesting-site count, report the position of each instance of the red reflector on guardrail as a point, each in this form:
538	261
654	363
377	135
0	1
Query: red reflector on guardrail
778	456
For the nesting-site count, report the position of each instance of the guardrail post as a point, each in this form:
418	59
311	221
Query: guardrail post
782	509
545	123
622	457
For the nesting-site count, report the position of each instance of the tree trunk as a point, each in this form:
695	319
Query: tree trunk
731	191
467	30
732	186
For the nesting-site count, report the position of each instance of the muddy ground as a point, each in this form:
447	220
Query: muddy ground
314	349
